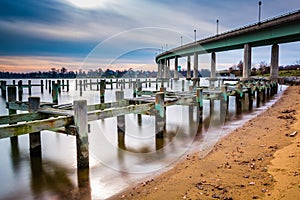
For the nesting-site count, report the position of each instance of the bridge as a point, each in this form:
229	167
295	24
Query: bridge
274	31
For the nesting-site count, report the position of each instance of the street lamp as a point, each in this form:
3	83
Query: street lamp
217	27
181	40
259	11
166	47
195	34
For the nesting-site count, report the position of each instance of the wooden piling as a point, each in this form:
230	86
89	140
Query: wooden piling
50	85
258	95
182	85
159	115
68	86
12	97
34	138
102	90
223	104
3	89
20	90
199	102
238	99
111	84
76	84
82	143
29	87
139	87
120	122
91	86
80	87
42	86
63	84
251	96
134	88
55	89
46	84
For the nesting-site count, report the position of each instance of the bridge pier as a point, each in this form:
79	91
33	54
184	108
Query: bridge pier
213	70
188	63
195	75
274	62
247	61
176	76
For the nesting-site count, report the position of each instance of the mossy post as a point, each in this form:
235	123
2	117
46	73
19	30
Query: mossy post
34	138
223	104
49	84
251	96
82	142
258	94
121	122
3	89
199	102
238	99
159	115
55	89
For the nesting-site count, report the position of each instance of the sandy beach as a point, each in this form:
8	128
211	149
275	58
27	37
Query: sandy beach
260	160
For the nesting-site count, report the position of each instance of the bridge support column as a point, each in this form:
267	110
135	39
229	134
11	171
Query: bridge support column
159	69
212	70
247	61
274	61
176	77
195	75
188	63
165	67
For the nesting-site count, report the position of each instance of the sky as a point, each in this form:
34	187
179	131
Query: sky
122	34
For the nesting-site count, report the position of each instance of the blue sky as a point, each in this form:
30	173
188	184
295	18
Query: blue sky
91	34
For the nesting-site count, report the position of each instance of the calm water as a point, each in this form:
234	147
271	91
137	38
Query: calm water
55	176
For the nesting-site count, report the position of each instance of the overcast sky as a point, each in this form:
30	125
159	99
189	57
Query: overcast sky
91	34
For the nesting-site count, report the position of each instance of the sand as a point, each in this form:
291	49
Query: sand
256	161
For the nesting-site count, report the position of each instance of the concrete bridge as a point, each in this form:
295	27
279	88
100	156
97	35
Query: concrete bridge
274	31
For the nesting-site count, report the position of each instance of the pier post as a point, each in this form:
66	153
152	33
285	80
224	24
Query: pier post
34	138
42	86
176	75
223	104
29	87
12	97
159	115
111	84
84	84
76	84
139	88
120	122
102	90
59	84
20	90
3	89
97	85
50	85
134	89
199	101
80	87
68	86
91	86
82	142
264	92
63	84
55	93
238	99
258	94
182	85
250	96
46	81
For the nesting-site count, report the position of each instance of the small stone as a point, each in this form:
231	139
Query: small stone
215	196
255	197
252	183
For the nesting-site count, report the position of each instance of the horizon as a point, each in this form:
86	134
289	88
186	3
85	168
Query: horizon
122	35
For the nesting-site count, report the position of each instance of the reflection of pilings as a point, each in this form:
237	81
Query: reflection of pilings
83	179
160	114
35	138
121	123
82	143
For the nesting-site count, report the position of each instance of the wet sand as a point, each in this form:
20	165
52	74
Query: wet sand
259	160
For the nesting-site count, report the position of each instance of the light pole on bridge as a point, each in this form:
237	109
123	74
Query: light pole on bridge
259	11
217	27
195	34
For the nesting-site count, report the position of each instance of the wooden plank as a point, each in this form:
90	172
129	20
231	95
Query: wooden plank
18	105
137	109
35	126
54	111
22	117
108	105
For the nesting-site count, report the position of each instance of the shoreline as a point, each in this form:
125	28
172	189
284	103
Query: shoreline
255	161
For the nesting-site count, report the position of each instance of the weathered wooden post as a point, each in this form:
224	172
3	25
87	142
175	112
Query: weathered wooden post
46	86
29	87
20	90
34	138
80	87
117	82
42	86
264	92
199	102
182	85
171	84
97	85
50	85
139	88
121	123
84	84
134	89
82	142
238	99
102	90
63	84
12	97
3	89
149	83
55	92
68	86
156	84
76	84
91	85
258	94
14	82
159	115
111	84
223	104
251	96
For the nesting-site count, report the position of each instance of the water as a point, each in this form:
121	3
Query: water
55	175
